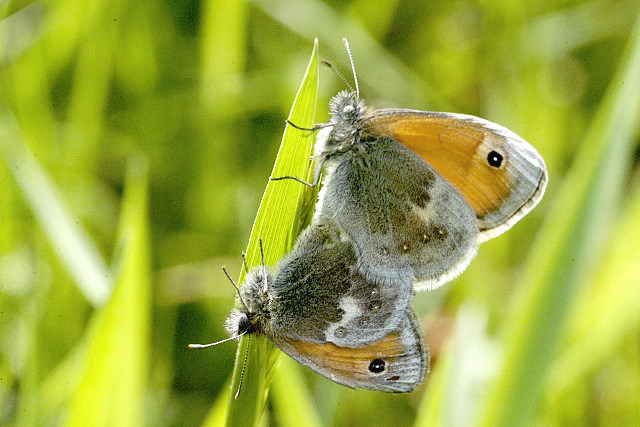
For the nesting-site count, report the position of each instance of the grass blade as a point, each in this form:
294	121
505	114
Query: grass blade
590	329
72	244
278	223
567	246
112	389
287	384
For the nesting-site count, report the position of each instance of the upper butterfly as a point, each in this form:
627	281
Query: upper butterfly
417	191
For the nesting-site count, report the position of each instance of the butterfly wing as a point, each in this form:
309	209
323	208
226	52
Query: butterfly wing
324	313
420	191
499	174
398	362
405	220
319	296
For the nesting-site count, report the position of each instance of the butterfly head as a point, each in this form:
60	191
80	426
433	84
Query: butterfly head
346	107
341	134
253	314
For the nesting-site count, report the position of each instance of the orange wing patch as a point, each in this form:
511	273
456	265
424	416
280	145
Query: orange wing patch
383	361
457	150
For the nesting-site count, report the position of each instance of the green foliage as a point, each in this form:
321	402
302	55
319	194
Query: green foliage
117	338
136	142
277	225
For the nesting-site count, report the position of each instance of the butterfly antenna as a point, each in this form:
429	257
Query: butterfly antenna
235	286
244	262
353	67
264	265
217	342
338	73
244	365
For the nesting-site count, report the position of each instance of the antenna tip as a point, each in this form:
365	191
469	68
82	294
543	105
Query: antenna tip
353	67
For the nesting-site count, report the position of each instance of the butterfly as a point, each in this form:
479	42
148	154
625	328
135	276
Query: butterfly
407	196
416	192
324	313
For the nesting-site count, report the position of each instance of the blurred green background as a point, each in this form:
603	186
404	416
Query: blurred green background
136	140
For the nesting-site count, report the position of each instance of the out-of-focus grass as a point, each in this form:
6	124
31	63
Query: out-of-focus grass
118	338
569	245
74	248
541	328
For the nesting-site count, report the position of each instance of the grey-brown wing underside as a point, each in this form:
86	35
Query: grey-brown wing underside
319	296
404	219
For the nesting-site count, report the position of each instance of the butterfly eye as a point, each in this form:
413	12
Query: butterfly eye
376	366
348	109
244	324
495	159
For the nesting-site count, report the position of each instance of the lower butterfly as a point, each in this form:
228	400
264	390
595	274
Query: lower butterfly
317	308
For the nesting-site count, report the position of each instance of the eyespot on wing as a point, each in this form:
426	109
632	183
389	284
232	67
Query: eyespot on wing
500	175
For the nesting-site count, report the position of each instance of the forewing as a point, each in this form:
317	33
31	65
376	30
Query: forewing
404	219
459	147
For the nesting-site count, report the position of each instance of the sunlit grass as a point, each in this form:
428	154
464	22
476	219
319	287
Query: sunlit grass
277	224
118	338
139	137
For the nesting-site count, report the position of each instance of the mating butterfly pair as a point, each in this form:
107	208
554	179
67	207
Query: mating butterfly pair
406	199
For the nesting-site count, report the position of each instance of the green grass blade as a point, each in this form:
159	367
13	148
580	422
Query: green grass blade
71	243
217	415
591	328
278	224
57	388
223	24
289	383
461	373
567	247
112	388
